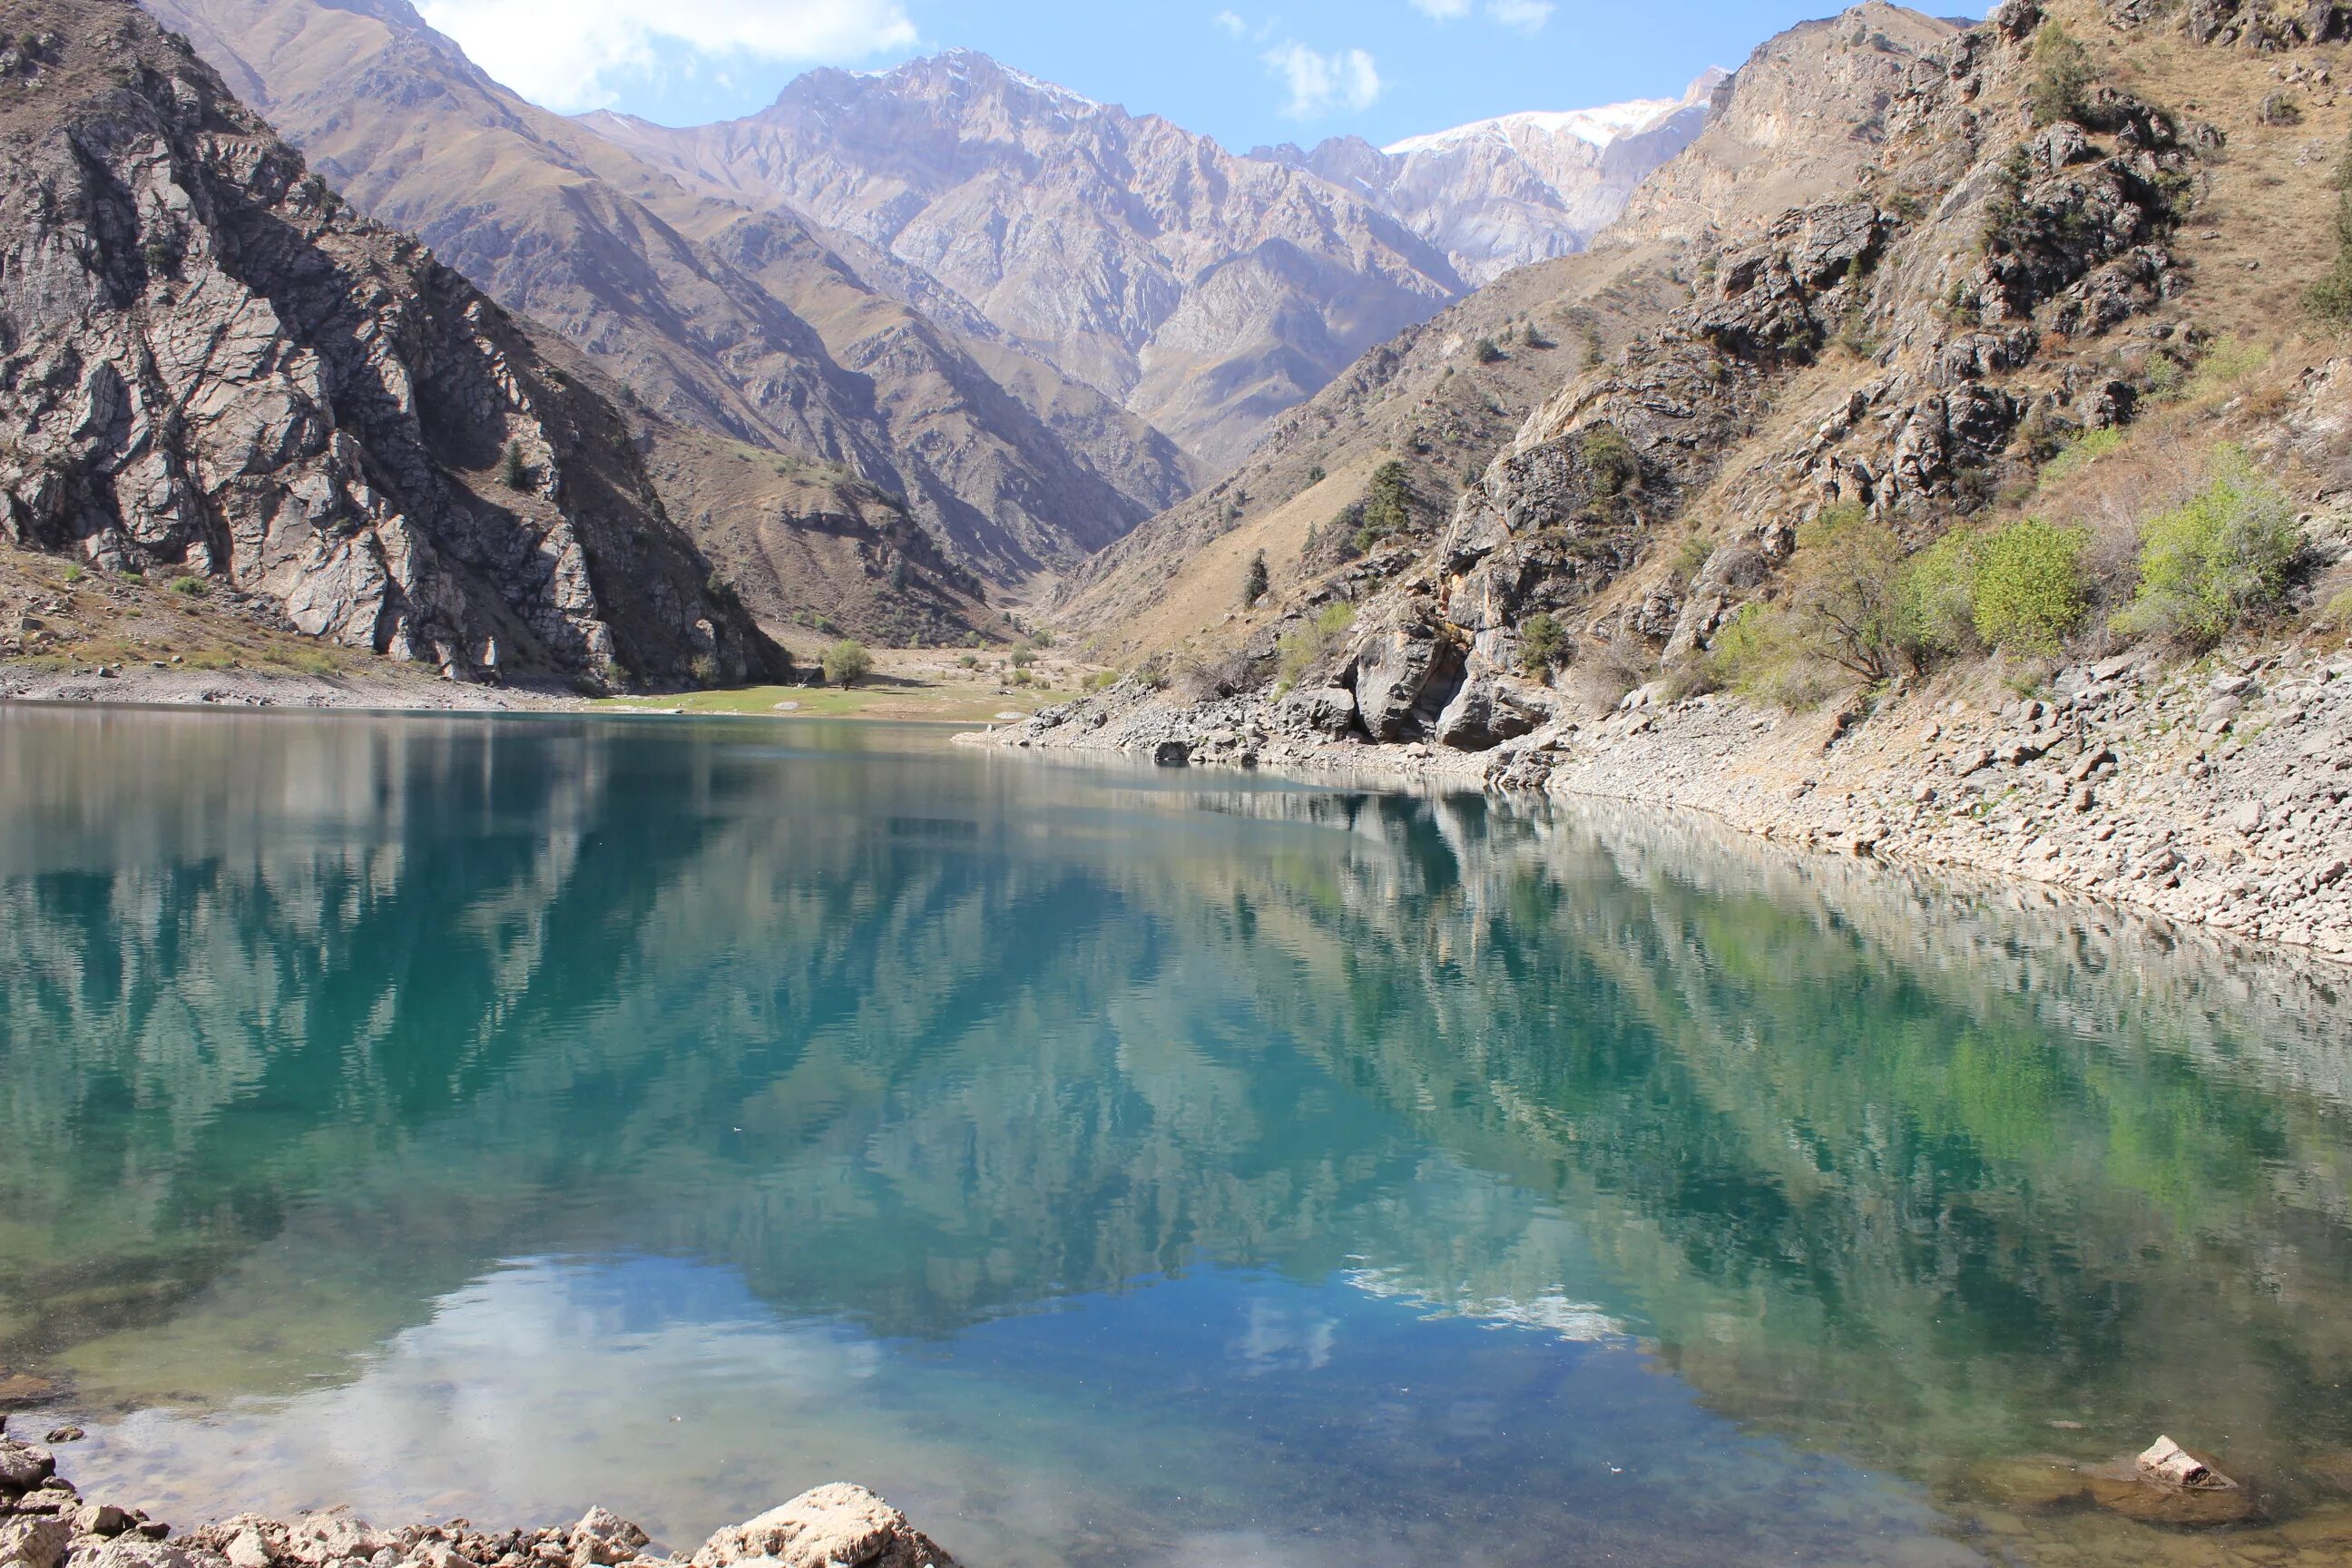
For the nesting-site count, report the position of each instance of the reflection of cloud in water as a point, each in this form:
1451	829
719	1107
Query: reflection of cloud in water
1275	1337
1552	1312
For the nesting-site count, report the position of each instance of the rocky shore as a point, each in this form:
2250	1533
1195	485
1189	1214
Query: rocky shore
392	687
2208	793
45	1523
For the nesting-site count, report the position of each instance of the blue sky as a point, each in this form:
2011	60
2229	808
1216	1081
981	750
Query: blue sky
1245	73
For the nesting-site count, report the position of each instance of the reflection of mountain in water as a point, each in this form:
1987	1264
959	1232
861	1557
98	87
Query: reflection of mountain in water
923	1040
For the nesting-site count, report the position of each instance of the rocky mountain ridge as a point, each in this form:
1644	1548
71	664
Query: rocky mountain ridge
1205	291
748	324
1504	193
1997	271
1439	400
215	370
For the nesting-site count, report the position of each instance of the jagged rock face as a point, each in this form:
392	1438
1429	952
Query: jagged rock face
1912	314
746	324
1801	117
1208	292
1501	194
213	368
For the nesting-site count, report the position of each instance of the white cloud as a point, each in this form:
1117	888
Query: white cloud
1233	25
1521	16
567	54
1318	83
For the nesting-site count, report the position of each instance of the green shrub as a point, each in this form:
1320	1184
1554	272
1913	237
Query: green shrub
2063	73
1616	466
74	574
1760	655
970	661
1301	649
2222	560
513	473
2082	452
1315	475
705	671
846	663
1843	591
1255	581
2029	595
1542	641
1023	658
1934	609
192	587
1487	350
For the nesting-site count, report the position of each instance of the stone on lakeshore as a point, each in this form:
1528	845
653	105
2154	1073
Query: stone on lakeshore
24	1466
246	1549
834	1526
101	1518
34	1543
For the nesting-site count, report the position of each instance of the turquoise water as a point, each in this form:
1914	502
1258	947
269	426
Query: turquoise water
1116	1165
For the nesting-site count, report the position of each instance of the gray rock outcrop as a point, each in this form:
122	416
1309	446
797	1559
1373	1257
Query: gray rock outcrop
210	368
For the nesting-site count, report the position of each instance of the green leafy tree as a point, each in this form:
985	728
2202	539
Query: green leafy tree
1543	641
846	663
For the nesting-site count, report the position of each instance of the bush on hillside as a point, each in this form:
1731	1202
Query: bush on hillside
2063	75
513	473
1616	466
1842	597
1542	642
2030	594
1255	581
2222	560
1301	649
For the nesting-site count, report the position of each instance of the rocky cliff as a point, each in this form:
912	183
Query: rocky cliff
1504	193
748	324
215	370
1207	291
1997	261
1441	398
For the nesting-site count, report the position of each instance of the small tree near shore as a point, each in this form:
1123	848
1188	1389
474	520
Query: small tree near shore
846	663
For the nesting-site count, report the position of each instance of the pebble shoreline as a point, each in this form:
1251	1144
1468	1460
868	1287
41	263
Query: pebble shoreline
2210	794
45	1523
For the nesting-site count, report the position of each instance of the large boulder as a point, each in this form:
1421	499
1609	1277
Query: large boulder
1407	669
834	1526
1484	714
1320	709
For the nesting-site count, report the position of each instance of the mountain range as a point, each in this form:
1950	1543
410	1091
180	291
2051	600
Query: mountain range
1037	320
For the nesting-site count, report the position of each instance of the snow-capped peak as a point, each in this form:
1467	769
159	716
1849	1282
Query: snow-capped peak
1609	124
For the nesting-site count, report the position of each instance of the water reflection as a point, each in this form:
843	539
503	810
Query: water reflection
1136	1166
